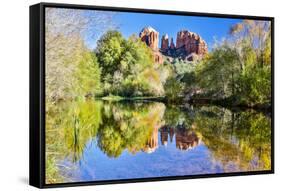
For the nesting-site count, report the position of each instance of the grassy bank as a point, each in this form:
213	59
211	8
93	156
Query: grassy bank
120	98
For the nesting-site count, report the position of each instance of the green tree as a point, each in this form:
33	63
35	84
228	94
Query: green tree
88	75
239	69
218	72
127	66
174	90
109	52
253	39
256	85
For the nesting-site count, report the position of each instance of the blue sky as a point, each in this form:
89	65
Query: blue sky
208	28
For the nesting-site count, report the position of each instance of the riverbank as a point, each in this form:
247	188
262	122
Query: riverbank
120	98
227	103
230	103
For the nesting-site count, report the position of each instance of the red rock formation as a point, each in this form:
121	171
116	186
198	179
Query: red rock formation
158	58
202	47
189	46
172	45
181	39
191	42
165	43
150	36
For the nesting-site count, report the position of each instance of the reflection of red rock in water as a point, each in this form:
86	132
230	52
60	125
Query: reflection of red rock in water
185	138
171	133
166	132
154	121
152	143
164	135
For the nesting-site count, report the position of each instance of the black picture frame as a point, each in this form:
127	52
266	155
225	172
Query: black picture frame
37	94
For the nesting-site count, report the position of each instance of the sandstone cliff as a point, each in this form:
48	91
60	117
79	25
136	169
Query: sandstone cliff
189	46
151	37
165	43
172	45
191	42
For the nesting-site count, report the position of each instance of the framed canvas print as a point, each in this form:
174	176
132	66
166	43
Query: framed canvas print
126	95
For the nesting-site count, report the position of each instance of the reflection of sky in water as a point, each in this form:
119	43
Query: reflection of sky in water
164	161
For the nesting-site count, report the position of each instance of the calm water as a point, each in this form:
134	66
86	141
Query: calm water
95	140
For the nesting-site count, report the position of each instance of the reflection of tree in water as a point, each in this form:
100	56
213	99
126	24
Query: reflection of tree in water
135	127
69	127
130	126
238	140
152	142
